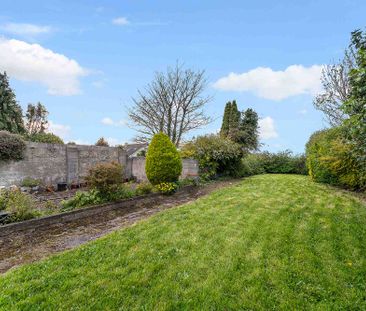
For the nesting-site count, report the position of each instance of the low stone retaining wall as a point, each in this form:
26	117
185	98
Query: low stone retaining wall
62	218
59	219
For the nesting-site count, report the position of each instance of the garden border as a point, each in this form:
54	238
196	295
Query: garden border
66	217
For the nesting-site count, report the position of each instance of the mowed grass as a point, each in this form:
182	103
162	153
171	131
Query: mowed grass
271	242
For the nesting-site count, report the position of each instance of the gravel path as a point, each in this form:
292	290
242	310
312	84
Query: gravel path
28	246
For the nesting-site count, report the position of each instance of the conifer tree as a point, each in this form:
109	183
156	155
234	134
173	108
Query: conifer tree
248	130
234	122
10	112
224	132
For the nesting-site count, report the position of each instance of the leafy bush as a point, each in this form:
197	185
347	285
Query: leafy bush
330	160
167	187
252	164
47	138
21	206
30	182
105	177
94	197
81	199
215	155
12	146
284	162
163	162
144	188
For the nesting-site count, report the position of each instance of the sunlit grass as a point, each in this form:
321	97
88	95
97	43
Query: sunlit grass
271	242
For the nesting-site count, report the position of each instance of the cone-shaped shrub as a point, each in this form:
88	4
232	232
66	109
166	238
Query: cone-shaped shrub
163	162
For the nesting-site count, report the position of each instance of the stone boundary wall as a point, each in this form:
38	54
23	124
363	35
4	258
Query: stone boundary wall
54	163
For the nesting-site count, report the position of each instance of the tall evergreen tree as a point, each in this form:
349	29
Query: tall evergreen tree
234	121
248	130
224	132
10	112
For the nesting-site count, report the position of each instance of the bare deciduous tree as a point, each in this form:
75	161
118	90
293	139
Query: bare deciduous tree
172	103
335	82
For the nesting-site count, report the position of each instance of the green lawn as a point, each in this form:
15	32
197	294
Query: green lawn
270	242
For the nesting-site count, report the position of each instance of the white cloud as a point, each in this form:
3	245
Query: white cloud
25	29
109	121
59	129
32	62
267	128
120	21
275	85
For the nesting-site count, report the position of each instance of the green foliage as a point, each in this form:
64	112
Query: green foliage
248	136
224	132
105	177
12	146
283	162
11	118
163	162
330	159
231	121
30	182
167	187
252	164
355	107
82	198
215	155
144	188
188	182
47	138
21	206
101	142
241	128
95	197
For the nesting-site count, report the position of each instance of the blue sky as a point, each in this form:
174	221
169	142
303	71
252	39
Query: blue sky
85	60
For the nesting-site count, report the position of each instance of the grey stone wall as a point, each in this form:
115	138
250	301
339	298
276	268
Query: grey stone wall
53	164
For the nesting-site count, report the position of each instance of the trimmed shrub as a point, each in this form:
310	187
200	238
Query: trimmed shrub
47	138
215	155
330	160
12	146
163	162
105	177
